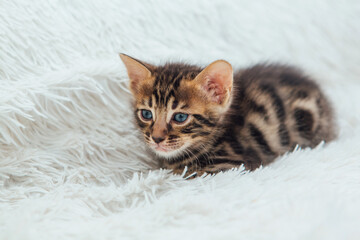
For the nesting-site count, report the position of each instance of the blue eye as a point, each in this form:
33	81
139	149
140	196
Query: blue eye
180	117
146	114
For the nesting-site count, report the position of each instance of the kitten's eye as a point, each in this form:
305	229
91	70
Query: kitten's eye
180	117
146	114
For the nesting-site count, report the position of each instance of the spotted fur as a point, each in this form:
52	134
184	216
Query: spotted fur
267	111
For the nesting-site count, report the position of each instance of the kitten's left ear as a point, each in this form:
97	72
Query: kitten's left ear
138	72
216	80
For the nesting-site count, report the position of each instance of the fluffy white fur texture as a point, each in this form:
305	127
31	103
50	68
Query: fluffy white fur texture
72	165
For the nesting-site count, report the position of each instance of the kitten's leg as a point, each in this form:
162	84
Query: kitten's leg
216	168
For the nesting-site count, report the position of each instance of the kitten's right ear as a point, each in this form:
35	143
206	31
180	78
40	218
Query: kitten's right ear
137	71
216	80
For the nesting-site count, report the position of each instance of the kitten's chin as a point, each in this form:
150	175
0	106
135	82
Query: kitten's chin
169	153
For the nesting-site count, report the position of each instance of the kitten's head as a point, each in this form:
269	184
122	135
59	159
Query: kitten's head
178	106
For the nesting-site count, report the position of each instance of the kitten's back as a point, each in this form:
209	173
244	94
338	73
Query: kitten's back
277	107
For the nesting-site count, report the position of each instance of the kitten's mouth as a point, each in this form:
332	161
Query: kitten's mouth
167	152
161	148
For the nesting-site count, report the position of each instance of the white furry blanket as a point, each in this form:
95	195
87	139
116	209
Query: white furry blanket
72	165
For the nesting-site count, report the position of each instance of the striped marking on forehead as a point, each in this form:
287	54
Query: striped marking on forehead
168	79
164	91
163	97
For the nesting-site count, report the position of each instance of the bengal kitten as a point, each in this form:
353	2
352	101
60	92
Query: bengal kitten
211	120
